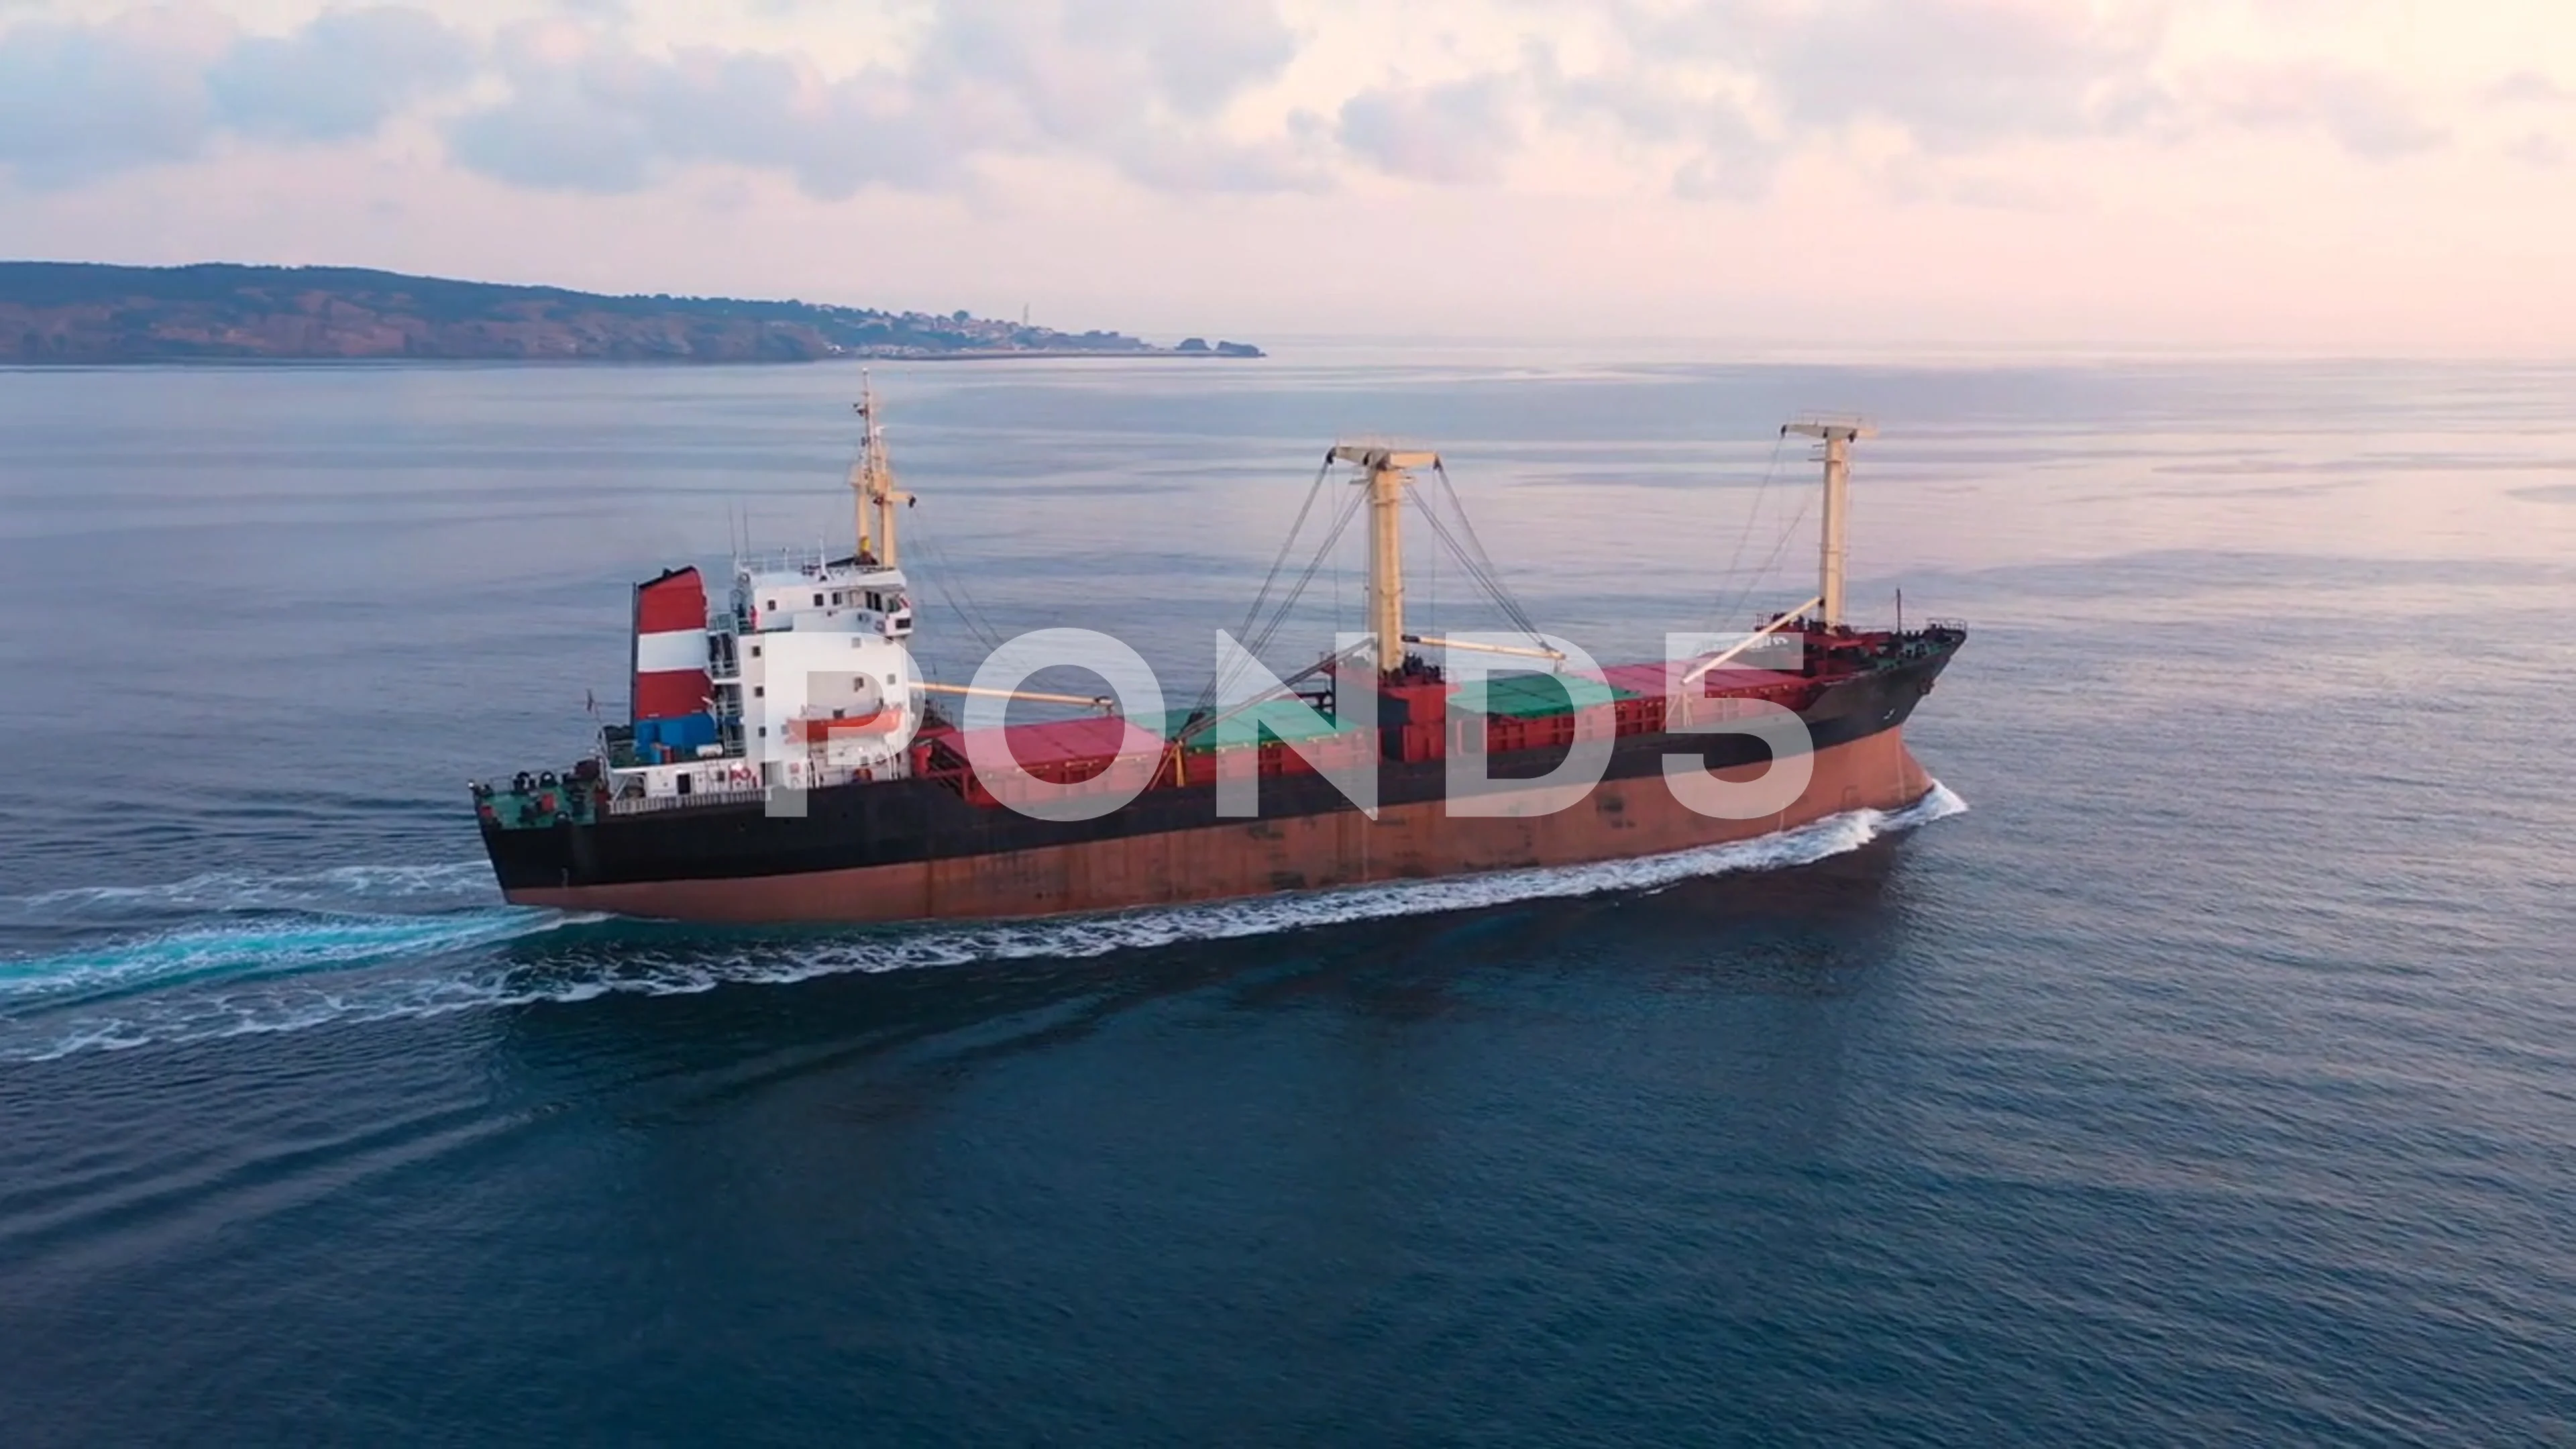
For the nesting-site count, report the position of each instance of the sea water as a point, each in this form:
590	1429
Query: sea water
2195	1066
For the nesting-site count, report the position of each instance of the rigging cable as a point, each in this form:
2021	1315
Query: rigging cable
1744	535
1279	561
1478	563
954	595
1279	613
1479	566
1752	581
1492	586
1257	631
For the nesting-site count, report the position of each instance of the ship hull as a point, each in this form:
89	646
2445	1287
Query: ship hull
1614	820
916	850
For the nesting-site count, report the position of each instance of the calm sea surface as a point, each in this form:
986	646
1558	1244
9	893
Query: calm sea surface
2210	1077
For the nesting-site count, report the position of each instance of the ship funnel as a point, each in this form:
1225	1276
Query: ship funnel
672	687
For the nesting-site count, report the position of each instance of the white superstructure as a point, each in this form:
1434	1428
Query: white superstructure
808	680
813	685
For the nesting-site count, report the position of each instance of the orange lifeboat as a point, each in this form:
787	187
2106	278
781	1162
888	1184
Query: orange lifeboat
813	731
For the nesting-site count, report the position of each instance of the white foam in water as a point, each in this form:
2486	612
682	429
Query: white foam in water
1262	915
304	970
348	885
246	951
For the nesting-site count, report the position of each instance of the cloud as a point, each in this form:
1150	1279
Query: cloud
2539	149
83	101
1197	54
2529	88
339	77
1734	160
2367	115
1960	75
1739	85
1742	84
588	112
1954	75
1177	95
1137	85
79	102
573	104
1736	86
1181	163
1461	131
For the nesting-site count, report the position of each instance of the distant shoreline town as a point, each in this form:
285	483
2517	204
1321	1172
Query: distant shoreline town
78	313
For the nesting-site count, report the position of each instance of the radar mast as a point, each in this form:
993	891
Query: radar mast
872	480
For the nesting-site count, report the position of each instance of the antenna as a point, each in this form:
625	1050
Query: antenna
863	464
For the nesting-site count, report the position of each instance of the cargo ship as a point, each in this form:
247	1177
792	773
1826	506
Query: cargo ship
786	760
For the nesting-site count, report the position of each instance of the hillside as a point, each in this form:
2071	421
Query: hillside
76	312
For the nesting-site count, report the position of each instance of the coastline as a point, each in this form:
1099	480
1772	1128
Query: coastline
38	364
89	314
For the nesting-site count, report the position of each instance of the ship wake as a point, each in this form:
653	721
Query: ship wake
227	954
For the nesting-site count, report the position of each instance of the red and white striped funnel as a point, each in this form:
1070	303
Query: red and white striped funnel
671	647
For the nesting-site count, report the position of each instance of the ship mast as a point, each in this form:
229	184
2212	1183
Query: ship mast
1387	473
1833	541
872	479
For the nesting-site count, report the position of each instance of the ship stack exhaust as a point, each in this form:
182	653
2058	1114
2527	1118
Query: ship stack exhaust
669	709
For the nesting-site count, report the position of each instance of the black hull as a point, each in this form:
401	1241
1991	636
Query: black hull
901	822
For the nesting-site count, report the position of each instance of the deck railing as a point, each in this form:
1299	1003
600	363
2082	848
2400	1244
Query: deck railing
647	804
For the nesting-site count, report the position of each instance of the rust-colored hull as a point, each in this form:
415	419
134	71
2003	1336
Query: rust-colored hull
1615	820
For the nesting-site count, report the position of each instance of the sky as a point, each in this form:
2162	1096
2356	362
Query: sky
2368	177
